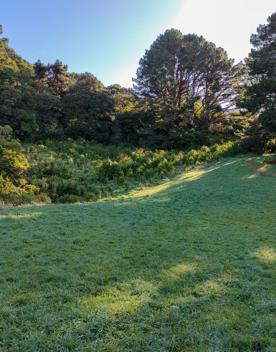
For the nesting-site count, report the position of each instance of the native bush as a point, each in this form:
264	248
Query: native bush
12	163
15	188
77	171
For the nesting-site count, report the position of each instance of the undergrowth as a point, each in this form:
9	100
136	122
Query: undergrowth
80	171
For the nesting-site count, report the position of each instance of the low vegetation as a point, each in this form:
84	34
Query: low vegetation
78	171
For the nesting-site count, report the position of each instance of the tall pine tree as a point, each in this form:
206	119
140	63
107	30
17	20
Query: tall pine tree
260	95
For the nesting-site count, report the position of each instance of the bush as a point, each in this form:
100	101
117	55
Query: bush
76	171
12	163
69	198
14	195
15	189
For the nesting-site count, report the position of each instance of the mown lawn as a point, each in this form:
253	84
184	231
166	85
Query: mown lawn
185	266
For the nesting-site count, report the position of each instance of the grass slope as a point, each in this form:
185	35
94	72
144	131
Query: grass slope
188	265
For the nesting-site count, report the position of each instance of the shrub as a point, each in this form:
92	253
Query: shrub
12	163
14	187
69	198
76	171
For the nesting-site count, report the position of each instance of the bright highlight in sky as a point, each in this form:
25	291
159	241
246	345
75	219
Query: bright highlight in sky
107	37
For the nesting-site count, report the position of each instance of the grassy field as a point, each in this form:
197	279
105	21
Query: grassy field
188	265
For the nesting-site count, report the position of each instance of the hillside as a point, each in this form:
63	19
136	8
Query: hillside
10	60
71	171
185	265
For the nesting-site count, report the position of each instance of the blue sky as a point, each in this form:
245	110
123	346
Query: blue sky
108	37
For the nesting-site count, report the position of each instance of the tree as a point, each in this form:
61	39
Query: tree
86	81
52	82
260	93
124	98
29	102
187	78
15	90
55	75
9	59
41	71
88	109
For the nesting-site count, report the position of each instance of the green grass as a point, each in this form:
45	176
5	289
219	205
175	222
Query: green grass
188	265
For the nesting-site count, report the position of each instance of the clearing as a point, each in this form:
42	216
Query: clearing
188	265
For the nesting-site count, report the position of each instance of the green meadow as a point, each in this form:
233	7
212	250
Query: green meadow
186	265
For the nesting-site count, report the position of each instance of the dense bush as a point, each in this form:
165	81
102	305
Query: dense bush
71	171
48	102
75	171
14	185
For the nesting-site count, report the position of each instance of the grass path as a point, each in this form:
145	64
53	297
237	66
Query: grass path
188	265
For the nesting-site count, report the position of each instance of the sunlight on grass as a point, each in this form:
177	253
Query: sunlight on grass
251	177
266	254
178	270
129	297
221	165
181	180
185	177
20	216
211	287
122	299
261	165
194	272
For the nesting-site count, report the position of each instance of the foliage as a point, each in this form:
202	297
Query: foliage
9	59
81	171
190	80
55	75
46	101
260	95
182	265
88	113
14	186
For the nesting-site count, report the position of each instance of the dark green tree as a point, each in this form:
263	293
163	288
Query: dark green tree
259	96
55	75
16	91
41	71
86	81
187	78
88	109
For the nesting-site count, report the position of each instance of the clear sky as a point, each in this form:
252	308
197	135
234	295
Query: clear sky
108	37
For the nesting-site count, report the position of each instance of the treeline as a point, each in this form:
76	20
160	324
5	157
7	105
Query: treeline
65	137
187	93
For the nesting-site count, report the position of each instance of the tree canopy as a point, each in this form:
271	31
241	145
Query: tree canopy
181	73
187	92
260	93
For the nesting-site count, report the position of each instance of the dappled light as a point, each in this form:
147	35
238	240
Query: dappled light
127	273
177	271
179	180
261	167
123	299
266	254
251	177
137	219
22	216
211	287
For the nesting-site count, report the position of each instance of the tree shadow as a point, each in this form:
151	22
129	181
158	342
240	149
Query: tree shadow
170	269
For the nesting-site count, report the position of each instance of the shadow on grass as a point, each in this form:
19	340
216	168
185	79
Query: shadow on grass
184	266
